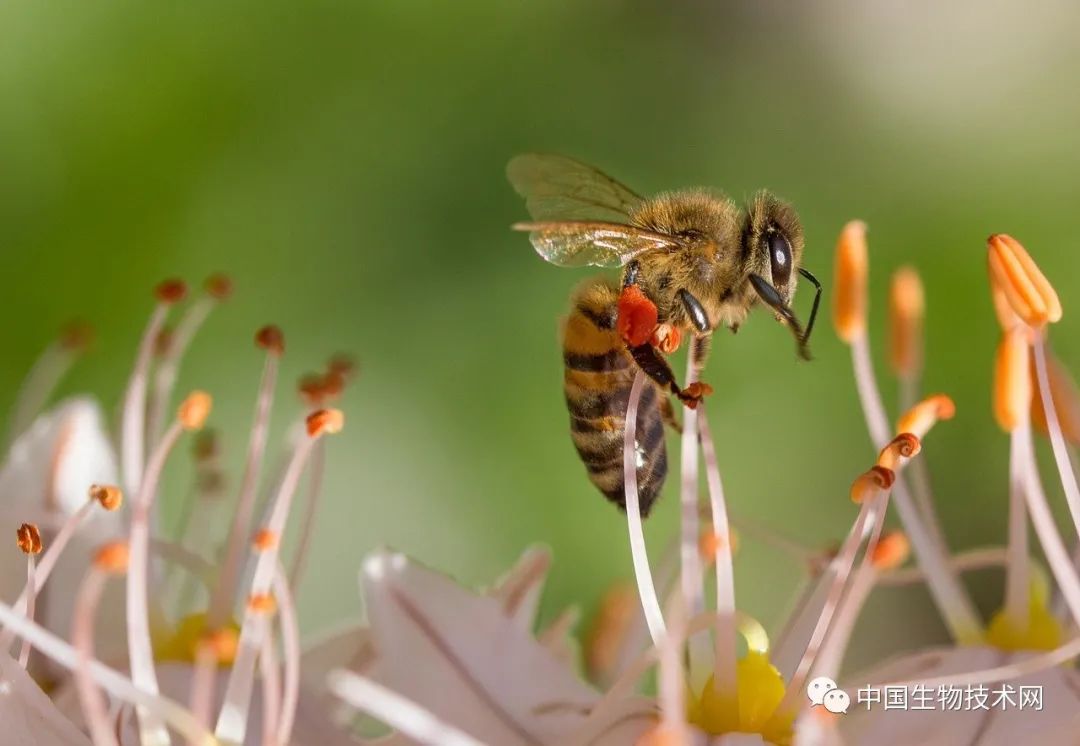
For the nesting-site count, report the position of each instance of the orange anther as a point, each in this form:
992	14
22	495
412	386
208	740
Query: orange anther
852	267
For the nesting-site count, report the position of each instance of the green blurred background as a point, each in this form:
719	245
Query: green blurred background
344	162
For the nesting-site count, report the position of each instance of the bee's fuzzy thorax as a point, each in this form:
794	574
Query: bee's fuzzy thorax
692	212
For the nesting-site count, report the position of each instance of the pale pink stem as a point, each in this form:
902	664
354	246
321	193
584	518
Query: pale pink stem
949	595
311	511
270	676
650	604
1057	557
831	657
31	593
45	567
221	605
169	364
95	712
725	634
973	559
140	647
672	682
290	646
232	722
112	681
920	475
871	510
48	370
1018	571
690	560
203	684
395	710
1057	439
133	416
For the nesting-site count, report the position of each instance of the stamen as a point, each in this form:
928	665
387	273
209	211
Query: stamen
725	653
871	491
899	451
1066	399
1012	380
1057	439
691	571
400	713
270	676
924	415
650	604
232	721
290	646
45	567
132	426
311	509
849	298
1057	558
108	496
29	540
217	288
44	376
973	559
204	679
907	306
110	560
190	415
672	682
892	551
1015	273
272	340
112	681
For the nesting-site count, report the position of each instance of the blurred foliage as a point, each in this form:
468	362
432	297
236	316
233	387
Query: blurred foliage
344	162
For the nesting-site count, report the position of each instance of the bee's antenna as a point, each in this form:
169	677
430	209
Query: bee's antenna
817	301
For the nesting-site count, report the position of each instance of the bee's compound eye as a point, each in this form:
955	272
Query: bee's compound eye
779	257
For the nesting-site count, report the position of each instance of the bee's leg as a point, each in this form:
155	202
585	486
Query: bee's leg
655	367
667	414
772	298
695	311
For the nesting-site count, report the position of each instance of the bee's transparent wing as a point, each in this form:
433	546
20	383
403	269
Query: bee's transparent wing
559	188
578	243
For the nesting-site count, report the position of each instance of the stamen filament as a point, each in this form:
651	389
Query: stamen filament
290	646
650	604
221	604
1057	440
169	364
973	559
270	675
1057	557
689	558
82	637
232	721
203	682
44	376
140	647
396	711
111	680
725	634
1017	575
31	594
316	471
45	567
133	418
952	599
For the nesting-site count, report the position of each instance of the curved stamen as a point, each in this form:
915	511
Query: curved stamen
650	604
690	560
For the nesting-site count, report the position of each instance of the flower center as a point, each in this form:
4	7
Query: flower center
1042	632
754	710
182	644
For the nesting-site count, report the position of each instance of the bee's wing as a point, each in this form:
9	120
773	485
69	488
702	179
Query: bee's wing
559	188
577	243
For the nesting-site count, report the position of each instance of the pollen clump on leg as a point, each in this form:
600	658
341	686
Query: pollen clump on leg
637	316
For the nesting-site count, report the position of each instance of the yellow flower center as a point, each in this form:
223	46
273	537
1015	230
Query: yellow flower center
760	690
1041	632
181	644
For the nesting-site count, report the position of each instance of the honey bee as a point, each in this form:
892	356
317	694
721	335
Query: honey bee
692	261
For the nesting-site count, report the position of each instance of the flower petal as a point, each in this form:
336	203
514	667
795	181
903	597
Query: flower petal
457	654
1056	723
29	718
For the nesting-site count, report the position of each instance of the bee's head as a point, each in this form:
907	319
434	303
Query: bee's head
773	242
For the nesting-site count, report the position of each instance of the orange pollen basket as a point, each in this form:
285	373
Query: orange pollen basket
637	317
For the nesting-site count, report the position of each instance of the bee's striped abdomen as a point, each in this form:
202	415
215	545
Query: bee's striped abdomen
598	375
